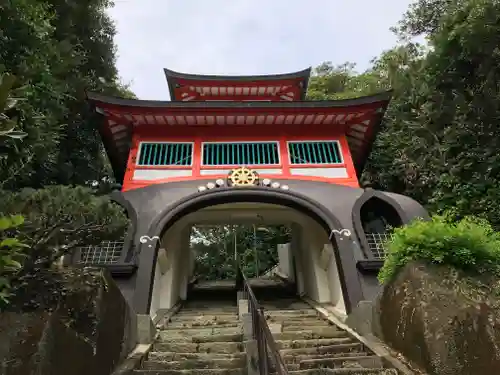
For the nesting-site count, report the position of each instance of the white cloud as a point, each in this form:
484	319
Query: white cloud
246	36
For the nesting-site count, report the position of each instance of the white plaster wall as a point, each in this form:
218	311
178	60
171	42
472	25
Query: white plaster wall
336	294
316	271
316	277
320	172
296	249
157	174
166	286
285	259
156	295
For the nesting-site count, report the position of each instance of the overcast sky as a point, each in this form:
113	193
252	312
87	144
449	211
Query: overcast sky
246	36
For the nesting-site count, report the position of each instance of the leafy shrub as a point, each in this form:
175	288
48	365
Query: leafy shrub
469	245
11	253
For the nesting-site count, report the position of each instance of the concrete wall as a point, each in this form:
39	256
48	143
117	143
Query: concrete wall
171	281
313	258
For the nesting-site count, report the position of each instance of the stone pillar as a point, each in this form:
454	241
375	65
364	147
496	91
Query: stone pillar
242	302
285	258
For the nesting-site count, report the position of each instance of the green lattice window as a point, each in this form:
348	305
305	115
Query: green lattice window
314	152
160	153
241	153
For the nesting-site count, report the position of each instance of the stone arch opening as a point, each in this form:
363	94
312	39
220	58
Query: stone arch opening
375	217
127	255
330	275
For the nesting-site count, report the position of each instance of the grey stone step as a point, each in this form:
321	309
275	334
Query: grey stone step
219	338
302	357
285	308
214	307
326	333
343	362
293	319
192	372
311	326
201	331
190	328
207	312
172	356
195	364
186	324
203	317
294	344
345	371
302	312
211	347
348	347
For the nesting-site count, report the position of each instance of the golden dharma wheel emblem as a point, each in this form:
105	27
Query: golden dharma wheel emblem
243	177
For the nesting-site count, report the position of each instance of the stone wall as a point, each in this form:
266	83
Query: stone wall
444	321
45	343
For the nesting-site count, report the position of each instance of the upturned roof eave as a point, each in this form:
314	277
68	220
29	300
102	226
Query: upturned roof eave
146	104
172	77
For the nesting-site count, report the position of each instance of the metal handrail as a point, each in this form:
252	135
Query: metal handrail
266	346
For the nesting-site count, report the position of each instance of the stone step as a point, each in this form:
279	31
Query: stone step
191	347
312	326
326	333
342	362
343	371
302	357
214	312
212	327
200	324
272	309
172	356
316	343
301	313
348	347
202	317
201	331
209	306
240	371
232	363
235	337
296	320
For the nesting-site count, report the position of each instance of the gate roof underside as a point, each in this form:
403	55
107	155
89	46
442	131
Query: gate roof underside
358	118
273	87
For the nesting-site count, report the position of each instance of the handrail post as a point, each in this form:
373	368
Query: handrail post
267	350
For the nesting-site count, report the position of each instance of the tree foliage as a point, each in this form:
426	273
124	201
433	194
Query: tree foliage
57	50
256	247
440	137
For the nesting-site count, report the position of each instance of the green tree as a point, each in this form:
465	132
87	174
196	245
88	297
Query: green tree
256	247
57	50
440	137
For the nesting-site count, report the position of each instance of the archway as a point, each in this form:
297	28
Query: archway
332	251
375	216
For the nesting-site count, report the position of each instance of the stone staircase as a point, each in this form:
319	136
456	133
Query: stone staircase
310	345
203	338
